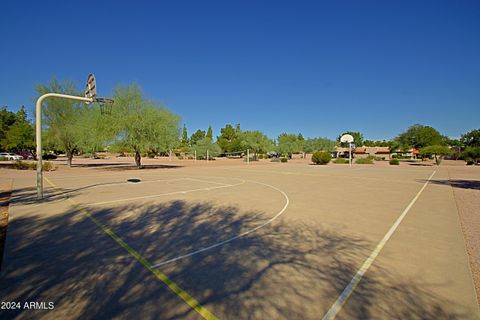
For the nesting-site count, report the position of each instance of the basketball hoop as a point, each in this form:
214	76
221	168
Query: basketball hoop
105	104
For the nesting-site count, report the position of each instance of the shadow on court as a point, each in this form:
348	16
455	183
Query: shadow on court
282	271
463	184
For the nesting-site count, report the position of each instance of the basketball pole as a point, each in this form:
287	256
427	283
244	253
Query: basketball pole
350	153
38	135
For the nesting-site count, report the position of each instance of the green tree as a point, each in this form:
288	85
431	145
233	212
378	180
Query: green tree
63	127
256	142
288	143
201	146
185	140
209	133
471	139
198	135
357	138
20	136
229	140
438	151
319	144
419	136
142	125
472	154
7	119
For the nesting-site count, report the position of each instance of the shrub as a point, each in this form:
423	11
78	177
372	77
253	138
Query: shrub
47	166
321	157
190	157
378	158
469	161
340	161
275	160
21	165
364	161
394	162
283	159
180	157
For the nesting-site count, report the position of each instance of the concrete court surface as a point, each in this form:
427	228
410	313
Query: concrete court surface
304	233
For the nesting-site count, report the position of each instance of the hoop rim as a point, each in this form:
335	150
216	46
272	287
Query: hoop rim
102	100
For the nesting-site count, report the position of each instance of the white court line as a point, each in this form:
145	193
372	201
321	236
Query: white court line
343	297
199	180
163	194
287	202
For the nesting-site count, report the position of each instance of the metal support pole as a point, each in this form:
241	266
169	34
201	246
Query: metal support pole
38	135
248	156
207	155
350	153
170	155
195	158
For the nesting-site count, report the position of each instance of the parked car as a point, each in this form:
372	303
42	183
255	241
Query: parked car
26	155
49	156
10	156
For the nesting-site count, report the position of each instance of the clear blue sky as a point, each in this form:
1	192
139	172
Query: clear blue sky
315	67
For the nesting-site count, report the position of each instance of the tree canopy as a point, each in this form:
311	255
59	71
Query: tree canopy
63	119
17	133
229	139
198	135
419	136
319	144
201	146
289	143
143	126
471	139
256	142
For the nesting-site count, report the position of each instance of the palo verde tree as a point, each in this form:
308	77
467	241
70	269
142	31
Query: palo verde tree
202	146
437	151
319	144
289	143
142	125
256	142
62	118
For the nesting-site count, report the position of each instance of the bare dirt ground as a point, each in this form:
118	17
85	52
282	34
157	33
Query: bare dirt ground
465	182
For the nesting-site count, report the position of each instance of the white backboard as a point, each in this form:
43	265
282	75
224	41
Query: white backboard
346	138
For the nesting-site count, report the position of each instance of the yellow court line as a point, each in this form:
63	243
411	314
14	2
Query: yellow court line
192	302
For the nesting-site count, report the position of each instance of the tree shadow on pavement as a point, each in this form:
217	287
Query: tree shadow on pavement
462	184
282	271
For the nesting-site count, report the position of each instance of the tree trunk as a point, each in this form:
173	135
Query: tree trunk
138	160
69	158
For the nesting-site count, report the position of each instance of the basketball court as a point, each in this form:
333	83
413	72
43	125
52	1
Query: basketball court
258	241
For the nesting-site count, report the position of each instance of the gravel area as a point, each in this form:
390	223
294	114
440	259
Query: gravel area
465	182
